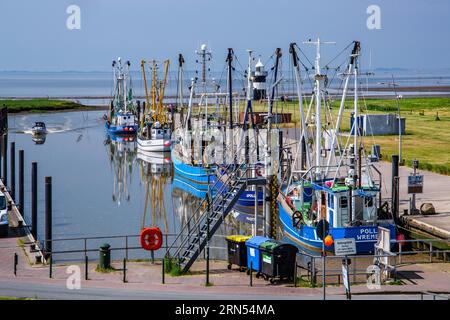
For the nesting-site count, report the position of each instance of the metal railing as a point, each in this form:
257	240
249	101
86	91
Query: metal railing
311	261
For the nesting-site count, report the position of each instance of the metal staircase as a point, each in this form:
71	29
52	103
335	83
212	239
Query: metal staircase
193	237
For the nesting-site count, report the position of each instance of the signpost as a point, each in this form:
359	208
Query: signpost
345	247
415	184
345	278
322	230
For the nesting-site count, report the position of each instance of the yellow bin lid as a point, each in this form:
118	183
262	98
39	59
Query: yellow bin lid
238	238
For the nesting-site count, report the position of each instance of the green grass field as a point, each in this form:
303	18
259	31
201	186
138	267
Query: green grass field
40	105
427	136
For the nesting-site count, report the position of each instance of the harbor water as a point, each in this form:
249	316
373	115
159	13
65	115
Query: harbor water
100	187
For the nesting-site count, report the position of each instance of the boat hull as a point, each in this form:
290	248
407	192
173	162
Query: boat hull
197	190
121	130
196	174
365	236
154	145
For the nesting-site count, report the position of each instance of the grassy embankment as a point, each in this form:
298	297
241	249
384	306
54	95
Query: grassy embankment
427	135
41	105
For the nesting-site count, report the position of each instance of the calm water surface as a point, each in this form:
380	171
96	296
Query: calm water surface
100	185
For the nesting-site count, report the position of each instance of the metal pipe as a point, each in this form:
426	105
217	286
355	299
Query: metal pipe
394	199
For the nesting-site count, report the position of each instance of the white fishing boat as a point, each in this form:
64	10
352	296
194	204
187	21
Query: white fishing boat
155	127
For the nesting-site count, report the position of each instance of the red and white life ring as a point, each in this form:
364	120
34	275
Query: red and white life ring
259	170
151	238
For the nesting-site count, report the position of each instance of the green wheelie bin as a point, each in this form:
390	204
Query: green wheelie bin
278	260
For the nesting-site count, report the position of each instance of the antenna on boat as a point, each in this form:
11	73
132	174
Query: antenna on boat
319	79
204	53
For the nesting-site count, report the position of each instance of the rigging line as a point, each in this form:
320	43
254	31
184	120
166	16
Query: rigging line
342	51
306	57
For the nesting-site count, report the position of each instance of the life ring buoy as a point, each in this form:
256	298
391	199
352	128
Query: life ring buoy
258	170
151	238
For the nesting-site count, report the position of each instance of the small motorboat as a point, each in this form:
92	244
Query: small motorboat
39	128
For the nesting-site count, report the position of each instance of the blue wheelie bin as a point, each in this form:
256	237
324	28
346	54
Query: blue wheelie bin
253	253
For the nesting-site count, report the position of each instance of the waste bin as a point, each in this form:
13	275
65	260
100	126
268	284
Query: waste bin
105	256
237	251
253	254
278	260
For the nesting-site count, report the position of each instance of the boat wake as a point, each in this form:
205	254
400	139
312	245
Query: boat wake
57	130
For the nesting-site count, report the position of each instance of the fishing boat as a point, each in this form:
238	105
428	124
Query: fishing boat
121	119
155	132
39	128
189	150
335	185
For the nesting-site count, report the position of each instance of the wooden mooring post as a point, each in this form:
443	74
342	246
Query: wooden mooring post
12	173
21	181
34	216
48	215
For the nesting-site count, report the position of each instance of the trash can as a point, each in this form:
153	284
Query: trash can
105	256
253	254
278	260
237	251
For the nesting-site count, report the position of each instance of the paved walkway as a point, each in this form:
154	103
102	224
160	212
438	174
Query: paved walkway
144	281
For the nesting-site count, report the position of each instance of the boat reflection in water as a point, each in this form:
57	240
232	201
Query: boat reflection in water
156	175
39	139
187	198
122	153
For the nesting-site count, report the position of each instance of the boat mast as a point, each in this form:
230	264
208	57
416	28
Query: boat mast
154	116
180	84
353	57
162	115
147	99
304	135
318	96
230	88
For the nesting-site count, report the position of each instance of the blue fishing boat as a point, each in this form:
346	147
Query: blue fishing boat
337	184
181	183
121	119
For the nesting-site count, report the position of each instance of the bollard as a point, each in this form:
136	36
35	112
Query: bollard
86	267
34	216
16	261
50	271
21	182
163	275
295	275
13	171
48	214
5	159
124	270
251	274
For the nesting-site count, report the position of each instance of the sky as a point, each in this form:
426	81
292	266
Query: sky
414	34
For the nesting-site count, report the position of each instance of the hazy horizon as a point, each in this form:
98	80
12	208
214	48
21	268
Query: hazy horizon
36	38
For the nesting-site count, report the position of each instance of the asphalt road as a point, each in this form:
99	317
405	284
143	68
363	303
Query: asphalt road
46	291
